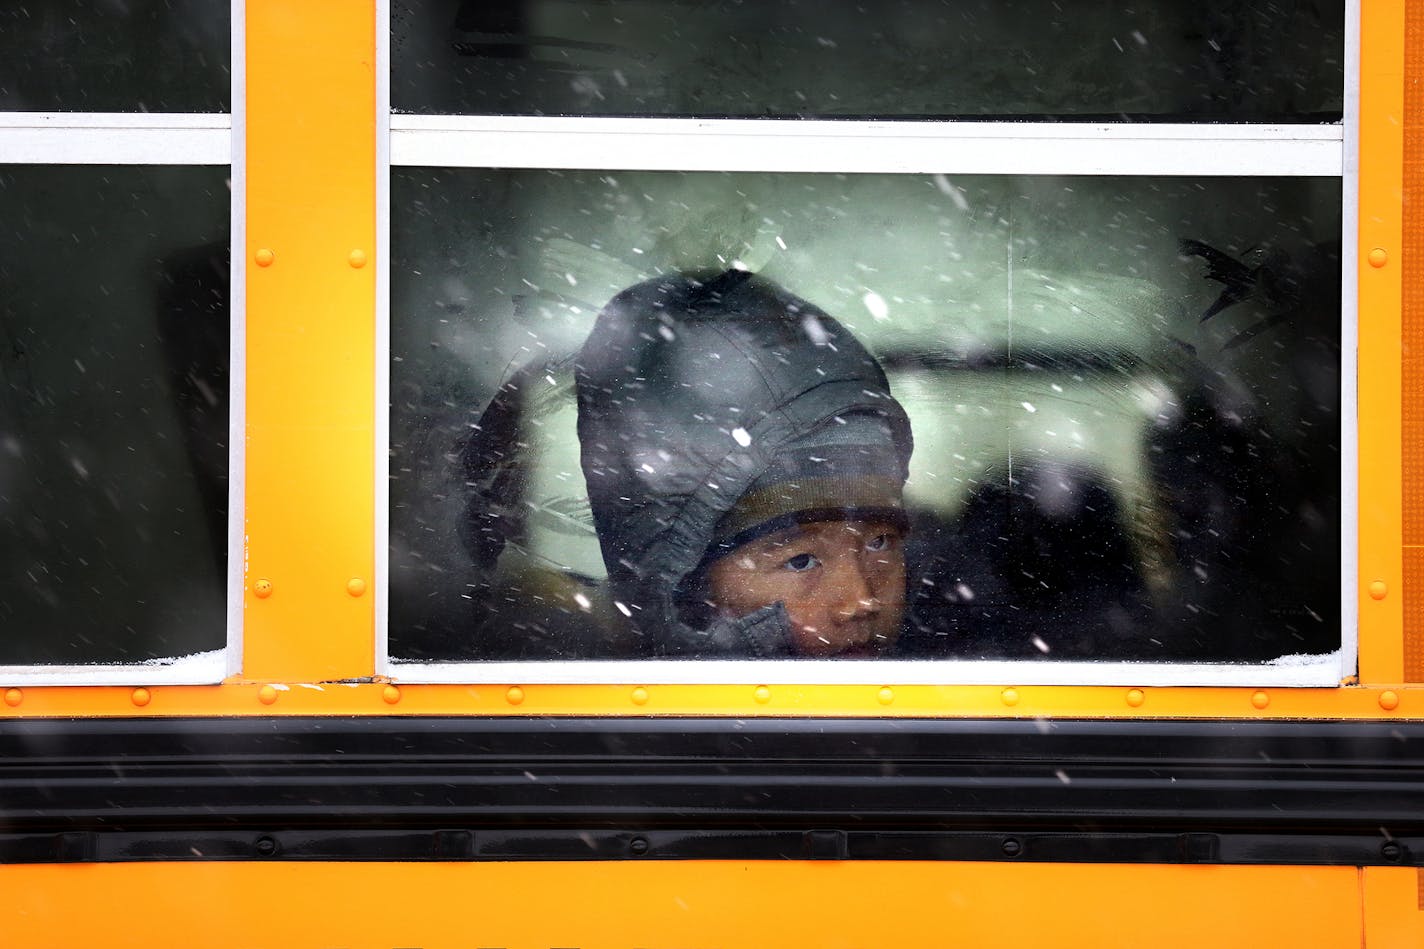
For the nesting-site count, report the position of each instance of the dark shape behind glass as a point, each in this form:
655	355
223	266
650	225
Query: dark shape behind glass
1233	554
528	612
194	325
1038	565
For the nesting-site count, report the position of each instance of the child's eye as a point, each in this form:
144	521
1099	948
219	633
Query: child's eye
878	542
801	563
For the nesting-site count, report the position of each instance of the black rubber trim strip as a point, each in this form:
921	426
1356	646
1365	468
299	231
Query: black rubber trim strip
405	788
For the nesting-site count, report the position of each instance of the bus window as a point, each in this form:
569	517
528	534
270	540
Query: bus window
906	59
114	420
1124	394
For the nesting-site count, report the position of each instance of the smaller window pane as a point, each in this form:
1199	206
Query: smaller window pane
116	56
113	412
1149	60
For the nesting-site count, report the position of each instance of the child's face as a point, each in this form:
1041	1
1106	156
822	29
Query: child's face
842	582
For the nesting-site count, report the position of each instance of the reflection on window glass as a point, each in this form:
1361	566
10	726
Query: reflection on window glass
115	56
113	424
1251	61
988	417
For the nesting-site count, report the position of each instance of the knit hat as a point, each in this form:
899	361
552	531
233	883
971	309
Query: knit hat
848	469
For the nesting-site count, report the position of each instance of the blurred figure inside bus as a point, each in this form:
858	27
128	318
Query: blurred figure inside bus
745	464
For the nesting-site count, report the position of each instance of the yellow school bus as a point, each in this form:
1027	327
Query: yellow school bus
297	651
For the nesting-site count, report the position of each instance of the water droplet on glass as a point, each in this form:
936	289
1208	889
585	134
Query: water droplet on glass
876	305
815	330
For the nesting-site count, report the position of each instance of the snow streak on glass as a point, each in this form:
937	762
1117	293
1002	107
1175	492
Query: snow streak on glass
1276	61
115	56
113	412
1124	395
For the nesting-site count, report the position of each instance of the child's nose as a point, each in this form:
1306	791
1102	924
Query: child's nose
854	593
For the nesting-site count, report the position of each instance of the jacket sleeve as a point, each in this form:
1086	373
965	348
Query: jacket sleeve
762	634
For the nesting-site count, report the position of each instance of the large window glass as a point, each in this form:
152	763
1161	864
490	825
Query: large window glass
1124	395
114	419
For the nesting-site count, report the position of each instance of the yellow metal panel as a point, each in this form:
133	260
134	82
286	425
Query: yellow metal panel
684	903
1394	910
1411	261
1413	609
737	701
311	341
1379	247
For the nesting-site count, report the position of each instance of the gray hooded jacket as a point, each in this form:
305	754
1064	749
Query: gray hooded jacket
688	387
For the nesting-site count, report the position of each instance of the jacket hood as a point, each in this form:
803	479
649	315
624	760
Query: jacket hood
688	388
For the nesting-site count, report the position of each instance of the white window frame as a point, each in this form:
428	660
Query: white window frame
144	138
950	148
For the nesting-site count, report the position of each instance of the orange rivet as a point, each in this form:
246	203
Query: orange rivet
264	257
1135	697
1378	589
262	589
886	695
357	259
1260	699
355	586
1378	257
1010	696
762	694
640	696
14	697
141	697
267	695
1389	700
390	694
515	695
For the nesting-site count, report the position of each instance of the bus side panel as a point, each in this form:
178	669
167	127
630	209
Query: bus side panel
693	903
1394	907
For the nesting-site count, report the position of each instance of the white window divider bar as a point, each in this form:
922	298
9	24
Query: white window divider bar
1322	671
82	138
1053	148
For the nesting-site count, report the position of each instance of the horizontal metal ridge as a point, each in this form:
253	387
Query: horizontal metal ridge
568	788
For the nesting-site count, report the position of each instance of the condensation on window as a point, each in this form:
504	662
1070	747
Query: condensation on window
1241	62
1124	395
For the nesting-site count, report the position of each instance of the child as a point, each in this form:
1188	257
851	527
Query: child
745	464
